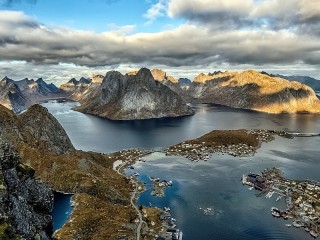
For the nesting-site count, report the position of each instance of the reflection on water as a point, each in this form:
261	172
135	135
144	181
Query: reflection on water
216	183
103	135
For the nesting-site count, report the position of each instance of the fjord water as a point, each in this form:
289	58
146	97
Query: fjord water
61	209
237	212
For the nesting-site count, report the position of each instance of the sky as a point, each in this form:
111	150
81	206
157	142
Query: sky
61	39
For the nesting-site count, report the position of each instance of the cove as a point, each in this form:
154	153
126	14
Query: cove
62	209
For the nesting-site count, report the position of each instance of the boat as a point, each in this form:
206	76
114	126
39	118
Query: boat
288	225
297	224
307	229
275	214
314	234
180	235
278	198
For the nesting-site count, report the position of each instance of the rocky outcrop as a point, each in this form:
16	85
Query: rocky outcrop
11	97
77	90
309	81
255	91
25	203
38	90
136	96
37	128
74	84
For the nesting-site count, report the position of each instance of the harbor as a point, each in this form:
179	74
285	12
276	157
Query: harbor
302	198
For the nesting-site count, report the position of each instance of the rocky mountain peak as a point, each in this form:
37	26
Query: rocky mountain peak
97	78
6	80
144	74
159	74
136	96
38	126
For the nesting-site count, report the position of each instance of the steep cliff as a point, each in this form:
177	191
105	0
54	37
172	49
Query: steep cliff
43	144
133	96
255	91
11	97
25	203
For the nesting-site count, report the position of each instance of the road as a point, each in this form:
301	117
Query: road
138	230
139	213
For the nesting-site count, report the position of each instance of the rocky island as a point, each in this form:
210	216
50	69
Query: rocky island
135	96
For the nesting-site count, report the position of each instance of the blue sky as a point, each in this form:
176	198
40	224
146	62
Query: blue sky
61	39
94	15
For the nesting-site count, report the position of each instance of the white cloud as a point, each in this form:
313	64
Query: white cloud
156	10
199	46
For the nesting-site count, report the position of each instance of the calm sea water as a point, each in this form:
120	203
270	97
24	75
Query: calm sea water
61	209
238	213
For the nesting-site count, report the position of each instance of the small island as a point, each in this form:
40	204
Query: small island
302	198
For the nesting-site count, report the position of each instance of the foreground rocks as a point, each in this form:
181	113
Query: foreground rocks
101	195
131	97
25	203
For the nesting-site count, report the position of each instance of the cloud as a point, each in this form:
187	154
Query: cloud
253	14
156	10
199	46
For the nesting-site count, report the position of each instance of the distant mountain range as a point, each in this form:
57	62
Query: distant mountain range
155	94
19	95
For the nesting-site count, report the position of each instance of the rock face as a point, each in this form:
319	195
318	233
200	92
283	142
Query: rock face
309	81
255	91
133	97
73	84
37	128
77	90
38	90
11	97
25	203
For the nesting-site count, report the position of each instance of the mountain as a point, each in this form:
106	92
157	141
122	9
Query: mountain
77	90
97	78
73	84
38	90
133	96
25	202
311	82
185	83
47	153
255	91
11	97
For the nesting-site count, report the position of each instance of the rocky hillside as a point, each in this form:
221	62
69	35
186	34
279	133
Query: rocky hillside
44	145
135	96
255	91
11	97
309	81
77	90
25	203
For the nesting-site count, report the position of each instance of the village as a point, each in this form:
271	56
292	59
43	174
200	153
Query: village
237	143
149	222
302	198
